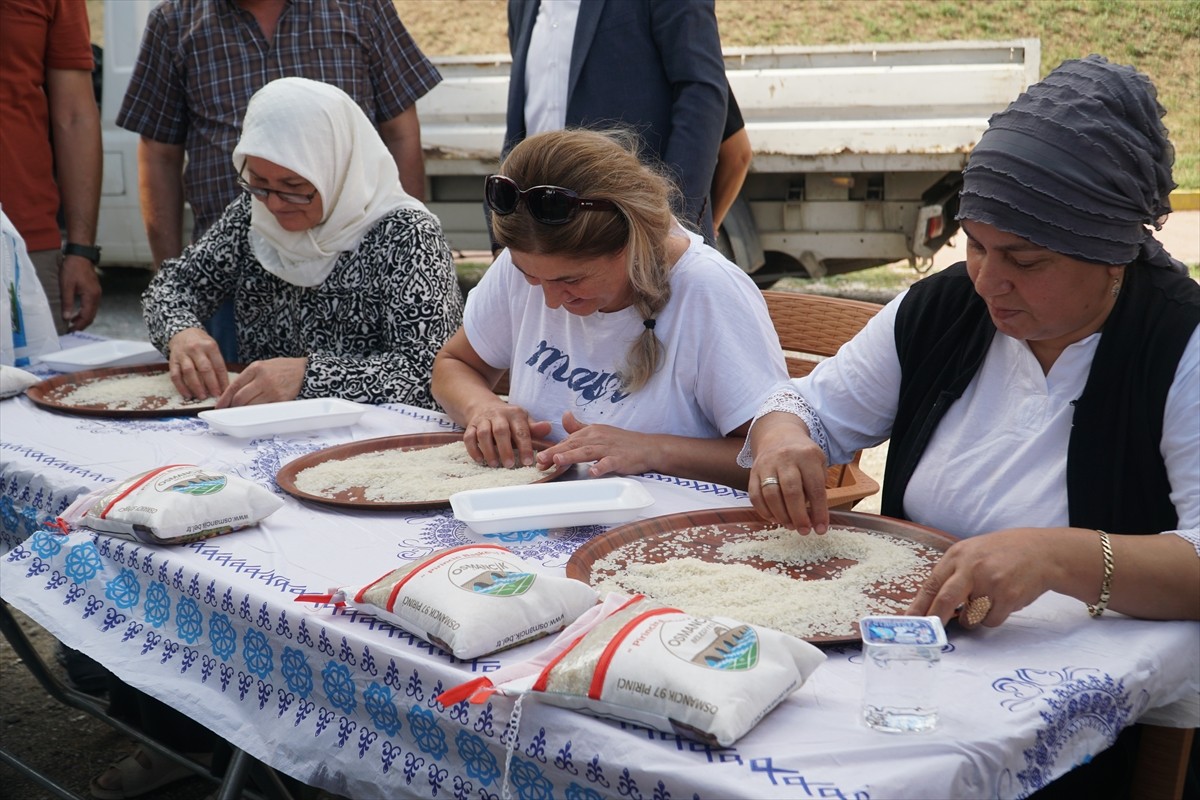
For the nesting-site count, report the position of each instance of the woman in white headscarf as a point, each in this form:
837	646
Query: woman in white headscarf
343	285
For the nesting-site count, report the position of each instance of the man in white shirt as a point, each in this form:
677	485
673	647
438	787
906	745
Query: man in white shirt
655	67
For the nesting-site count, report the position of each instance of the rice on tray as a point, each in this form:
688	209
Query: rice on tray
864	568
135	392
410	476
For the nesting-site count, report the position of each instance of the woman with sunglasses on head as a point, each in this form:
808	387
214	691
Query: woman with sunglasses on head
628	341
343	285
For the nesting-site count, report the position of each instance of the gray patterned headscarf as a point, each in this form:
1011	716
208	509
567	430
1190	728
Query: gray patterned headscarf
1079	164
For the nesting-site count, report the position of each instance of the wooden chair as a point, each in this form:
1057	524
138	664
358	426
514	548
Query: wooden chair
811	328
1160	771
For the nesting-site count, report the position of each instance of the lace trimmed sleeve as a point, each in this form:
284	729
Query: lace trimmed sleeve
1192	536
787	399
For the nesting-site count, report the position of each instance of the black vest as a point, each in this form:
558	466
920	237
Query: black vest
1116	479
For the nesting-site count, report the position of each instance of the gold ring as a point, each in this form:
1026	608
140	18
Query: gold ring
976	609
771	481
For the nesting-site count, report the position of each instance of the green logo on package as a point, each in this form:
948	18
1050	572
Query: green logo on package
200	485
502	584
731	649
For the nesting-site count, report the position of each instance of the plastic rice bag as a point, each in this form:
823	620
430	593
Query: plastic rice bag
710	679
14	380
470	600
175	504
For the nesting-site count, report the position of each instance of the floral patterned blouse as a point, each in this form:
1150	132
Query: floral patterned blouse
370	330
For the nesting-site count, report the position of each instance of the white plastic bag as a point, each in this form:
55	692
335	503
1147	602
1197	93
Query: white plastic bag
176	504
14	380
711	679
470	600
26	321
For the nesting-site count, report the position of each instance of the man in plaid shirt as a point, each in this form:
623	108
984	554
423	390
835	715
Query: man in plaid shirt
200	62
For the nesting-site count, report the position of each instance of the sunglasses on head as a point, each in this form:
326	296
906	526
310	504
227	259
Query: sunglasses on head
549	205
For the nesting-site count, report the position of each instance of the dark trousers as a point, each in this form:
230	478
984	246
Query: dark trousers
158	720
221	326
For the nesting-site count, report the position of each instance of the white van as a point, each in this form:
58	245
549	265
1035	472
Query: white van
120	232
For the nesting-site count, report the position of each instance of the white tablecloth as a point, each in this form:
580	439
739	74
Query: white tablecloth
340	700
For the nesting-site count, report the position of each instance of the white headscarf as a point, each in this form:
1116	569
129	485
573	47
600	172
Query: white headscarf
318	132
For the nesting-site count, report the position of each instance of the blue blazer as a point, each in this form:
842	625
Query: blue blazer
651	65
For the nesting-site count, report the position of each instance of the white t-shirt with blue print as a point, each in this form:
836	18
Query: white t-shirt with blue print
721	356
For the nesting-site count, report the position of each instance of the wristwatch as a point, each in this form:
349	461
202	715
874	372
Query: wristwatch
89	252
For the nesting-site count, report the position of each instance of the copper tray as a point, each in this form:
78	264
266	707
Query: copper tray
46	394
732	521
352	497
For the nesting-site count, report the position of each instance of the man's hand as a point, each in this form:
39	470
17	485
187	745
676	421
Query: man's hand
80	289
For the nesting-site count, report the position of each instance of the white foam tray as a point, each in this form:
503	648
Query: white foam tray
292	416
110	353
562	504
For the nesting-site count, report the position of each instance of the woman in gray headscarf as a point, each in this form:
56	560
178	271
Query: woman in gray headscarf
1041	398
343	284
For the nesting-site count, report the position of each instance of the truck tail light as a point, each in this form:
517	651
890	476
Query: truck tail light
930	224
934	227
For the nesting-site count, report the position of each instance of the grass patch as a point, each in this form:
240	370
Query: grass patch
875	285
1160	38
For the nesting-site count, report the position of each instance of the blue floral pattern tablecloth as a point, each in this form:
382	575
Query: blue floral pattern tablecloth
347	702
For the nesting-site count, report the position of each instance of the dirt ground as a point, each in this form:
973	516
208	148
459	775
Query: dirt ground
66	744
69	745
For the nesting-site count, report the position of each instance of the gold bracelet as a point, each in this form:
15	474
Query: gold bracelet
1106	584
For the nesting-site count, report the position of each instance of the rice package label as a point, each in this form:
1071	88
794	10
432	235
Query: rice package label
174	505
471	600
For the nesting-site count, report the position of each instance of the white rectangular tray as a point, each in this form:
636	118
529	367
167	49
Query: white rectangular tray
110	353
292	416
598	501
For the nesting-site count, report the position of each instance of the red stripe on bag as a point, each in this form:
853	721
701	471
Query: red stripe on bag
138	484
610	649
391	602
544	676
456	694
327	599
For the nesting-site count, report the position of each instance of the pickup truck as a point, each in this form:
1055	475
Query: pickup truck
858	149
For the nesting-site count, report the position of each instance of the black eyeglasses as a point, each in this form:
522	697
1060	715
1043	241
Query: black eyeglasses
549	205
262	193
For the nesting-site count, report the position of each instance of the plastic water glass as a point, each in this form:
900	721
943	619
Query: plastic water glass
900	665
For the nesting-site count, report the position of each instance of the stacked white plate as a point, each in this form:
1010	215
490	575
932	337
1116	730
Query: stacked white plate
109	353
291	416
561	504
